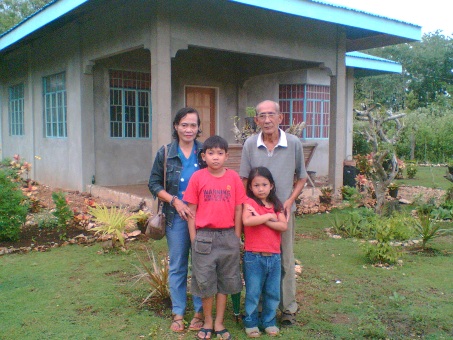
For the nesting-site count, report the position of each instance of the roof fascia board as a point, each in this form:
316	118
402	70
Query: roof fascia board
38	21
372	63
339	15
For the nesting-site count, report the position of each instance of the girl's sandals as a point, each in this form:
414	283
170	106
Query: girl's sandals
177	325
252	332
223	334
205	331
196	324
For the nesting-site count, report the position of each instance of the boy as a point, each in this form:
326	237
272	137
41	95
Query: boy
215	196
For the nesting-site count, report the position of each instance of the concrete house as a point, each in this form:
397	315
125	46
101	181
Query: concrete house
88	88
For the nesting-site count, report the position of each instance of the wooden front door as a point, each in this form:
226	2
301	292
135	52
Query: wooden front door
203	99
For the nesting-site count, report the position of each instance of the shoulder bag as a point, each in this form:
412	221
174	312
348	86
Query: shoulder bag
155	225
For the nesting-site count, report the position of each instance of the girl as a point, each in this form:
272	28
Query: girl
264	222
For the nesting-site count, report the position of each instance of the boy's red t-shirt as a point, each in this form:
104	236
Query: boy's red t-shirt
216	198
261	238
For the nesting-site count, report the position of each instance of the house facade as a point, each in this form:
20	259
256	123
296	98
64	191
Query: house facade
88	89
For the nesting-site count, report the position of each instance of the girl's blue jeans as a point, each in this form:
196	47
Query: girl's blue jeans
262	275
178	241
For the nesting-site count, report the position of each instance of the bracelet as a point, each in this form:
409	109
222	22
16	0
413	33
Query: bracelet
173	200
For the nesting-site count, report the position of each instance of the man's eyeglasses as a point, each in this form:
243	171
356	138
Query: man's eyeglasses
264	115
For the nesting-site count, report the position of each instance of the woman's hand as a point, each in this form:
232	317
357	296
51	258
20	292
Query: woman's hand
182	209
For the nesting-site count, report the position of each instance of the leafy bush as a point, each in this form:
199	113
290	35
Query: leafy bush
46	220
112	221
349	193
13	208
411	169
381	250
62	212
428	229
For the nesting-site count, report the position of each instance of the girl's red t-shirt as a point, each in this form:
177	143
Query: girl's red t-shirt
261	238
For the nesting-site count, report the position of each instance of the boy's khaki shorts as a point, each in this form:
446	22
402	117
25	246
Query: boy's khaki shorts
215	263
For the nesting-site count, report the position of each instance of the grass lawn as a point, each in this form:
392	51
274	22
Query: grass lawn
74	292
428	176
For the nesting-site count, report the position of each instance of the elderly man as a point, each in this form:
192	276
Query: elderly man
283	155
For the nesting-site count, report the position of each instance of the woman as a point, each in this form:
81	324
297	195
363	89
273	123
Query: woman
183	159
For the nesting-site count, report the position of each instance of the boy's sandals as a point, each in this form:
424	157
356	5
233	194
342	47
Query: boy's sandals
177	325
205	331
252	332
272	331
196	324
288	319
223	334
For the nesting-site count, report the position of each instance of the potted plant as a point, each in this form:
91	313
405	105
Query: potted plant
326	195
393	189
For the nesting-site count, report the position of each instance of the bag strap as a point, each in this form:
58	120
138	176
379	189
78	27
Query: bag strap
161	203
165	167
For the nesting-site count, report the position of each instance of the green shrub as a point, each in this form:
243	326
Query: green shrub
428	229
112	221
411	169
381	250
62	212
449	195
349	193
13	208
46	220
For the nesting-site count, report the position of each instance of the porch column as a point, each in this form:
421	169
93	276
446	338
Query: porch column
160	76
337	138
349	115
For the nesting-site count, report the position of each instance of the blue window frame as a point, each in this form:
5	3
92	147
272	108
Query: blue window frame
55	125
306	103
130	104
16	110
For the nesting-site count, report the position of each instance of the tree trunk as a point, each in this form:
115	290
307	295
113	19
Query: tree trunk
380	190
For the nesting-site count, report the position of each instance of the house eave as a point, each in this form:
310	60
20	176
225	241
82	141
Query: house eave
367	65
363	30
38	20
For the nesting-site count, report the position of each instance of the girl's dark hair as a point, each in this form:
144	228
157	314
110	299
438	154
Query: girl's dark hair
180	115
272	198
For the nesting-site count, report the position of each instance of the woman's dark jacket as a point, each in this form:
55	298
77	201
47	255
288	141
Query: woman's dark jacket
174	166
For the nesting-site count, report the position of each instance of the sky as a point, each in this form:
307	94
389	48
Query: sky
431	15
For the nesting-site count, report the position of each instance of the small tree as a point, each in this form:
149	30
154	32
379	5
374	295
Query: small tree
384	163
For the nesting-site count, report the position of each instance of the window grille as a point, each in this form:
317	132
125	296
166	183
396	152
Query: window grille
55	106
306	103
16	110
130	104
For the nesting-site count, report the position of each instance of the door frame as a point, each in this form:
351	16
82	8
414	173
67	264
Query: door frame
216	96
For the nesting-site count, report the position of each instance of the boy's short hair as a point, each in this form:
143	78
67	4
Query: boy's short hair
215	142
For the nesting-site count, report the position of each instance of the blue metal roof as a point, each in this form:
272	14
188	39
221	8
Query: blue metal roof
361	27
370	65
324	11
52	11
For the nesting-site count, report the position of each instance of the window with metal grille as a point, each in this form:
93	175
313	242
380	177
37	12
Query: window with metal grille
55	125
16	110
130	104
306	103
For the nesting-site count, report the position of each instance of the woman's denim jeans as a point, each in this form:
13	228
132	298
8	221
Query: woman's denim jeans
178	241
262	275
